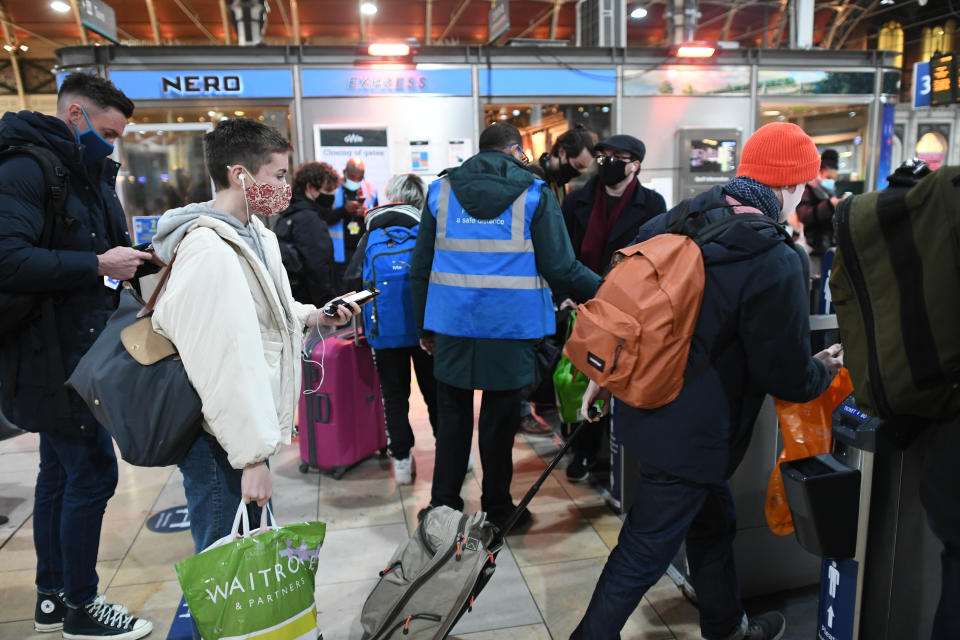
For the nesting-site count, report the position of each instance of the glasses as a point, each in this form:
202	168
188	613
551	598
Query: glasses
602	160
523	159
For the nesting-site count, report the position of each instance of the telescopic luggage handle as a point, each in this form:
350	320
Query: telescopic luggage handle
592	412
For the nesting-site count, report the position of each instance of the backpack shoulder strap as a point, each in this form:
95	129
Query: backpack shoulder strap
55	177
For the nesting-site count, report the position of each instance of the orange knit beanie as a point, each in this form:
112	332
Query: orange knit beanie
779	154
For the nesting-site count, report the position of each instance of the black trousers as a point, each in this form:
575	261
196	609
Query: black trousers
499	419
940	496
393	367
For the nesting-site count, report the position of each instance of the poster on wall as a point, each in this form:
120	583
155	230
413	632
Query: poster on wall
420	156
458	150
336	144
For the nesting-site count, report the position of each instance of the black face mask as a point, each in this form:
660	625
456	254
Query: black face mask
563	175
324	200
613	171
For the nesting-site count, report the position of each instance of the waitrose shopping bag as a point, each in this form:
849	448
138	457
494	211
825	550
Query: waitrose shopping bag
257	584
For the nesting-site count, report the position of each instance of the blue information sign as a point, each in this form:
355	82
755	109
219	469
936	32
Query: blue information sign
921	84
548	82
329	83
144	228
204	83
181	629
886	146
838	596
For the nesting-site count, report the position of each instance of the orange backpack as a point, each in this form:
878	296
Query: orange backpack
633	338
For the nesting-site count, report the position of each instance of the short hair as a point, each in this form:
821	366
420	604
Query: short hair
573	142
240	141
500	135
407	188
95	89
318	175
829	159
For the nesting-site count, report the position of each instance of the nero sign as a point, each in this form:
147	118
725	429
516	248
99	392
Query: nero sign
206	85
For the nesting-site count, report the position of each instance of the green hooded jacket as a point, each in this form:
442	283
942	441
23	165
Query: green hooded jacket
486	185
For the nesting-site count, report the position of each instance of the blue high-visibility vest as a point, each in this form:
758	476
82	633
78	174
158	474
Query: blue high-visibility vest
336	229
484	282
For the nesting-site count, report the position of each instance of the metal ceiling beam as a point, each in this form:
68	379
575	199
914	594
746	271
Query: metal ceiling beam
9	38
76	15
555	18
780	26
363	22
428	24
283	16
154	25
295	15
192	15
853	25
225	19
453	18
535	23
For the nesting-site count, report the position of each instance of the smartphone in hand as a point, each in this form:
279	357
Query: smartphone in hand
360	298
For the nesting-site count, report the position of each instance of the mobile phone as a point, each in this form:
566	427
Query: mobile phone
360	298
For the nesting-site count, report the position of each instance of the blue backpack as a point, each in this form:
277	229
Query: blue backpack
388	319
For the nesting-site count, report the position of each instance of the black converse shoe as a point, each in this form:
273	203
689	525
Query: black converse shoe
102	620
51	610
49	613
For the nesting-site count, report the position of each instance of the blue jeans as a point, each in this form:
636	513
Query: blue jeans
667	511
212	488
77	477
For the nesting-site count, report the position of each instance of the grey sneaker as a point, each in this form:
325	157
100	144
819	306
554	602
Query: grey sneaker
766	626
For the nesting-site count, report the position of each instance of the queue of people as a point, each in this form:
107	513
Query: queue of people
495	254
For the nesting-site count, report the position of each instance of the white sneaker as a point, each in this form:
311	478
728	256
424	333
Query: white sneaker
404	469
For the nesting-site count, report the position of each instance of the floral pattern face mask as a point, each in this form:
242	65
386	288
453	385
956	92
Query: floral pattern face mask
267	199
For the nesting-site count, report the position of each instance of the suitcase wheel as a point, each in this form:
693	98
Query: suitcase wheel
304	467
339	471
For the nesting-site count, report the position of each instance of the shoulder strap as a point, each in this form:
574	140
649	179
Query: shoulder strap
55	194
55	177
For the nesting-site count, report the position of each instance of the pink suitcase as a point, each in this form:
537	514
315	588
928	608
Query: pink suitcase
343	422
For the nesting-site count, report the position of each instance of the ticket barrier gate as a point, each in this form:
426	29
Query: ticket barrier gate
858	509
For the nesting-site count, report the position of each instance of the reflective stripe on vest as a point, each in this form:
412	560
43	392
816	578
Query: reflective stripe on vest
484	281
336	229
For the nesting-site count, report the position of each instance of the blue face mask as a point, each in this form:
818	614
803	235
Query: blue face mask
95	148
351	185
828	184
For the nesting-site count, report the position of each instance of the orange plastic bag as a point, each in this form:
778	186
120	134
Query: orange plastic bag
806	432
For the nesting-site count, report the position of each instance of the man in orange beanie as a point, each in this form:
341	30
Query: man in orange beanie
751	339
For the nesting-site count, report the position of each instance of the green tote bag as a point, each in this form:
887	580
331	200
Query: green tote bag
256	585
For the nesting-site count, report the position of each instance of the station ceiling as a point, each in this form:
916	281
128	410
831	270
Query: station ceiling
751	23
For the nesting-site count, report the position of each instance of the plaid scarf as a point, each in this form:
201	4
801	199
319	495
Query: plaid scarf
750	192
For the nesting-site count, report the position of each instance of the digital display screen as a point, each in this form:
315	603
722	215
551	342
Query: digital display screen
708	155
943	80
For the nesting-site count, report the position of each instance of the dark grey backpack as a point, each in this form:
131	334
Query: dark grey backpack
433	578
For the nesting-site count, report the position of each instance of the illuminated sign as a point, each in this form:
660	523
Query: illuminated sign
339	83
943	79
548	82
204	83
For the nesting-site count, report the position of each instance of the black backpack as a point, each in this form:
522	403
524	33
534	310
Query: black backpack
19	308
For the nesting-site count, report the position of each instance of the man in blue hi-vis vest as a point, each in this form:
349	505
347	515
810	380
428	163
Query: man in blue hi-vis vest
351	201
491	243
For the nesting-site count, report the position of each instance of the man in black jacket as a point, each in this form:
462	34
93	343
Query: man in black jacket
89	252
602	217
752	333
305	244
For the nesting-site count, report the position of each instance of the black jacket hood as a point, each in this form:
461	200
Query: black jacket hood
30	127
488	183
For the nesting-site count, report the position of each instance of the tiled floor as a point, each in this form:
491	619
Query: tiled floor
543	581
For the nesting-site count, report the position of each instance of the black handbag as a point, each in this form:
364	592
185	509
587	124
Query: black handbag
135	384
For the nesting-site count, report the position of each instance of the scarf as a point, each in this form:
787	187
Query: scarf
601	224
755	194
